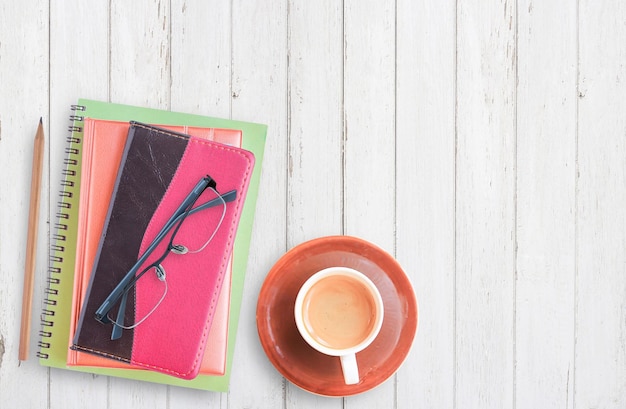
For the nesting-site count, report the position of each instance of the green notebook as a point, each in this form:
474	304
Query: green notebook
56	313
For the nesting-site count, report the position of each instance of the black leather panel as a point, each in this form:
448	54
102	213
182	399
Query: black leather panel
146	172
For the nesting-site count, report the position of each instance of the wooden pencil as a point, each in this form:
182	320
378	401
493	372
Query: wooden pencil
31	243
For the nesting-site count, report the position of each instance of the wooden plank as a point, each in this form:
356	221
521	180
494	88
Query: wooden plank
600	377
425	194
201	57
369	111
200	71
24	89
369	133
259	94
315	120
140	53
546	201
485	204
79	68
314	199
139	75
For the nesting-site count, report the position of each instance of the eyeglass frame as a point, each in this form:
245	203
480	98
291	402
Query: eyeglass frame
126	283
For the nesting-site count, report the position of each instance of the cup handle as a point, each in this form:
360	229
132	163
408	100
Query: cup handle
350	369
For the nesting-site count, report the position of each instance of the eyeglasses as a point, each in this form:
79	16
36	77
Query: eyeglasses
179	221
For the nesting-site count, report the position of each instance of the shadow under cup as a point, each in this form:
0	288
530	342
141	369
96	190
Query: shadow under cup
339	312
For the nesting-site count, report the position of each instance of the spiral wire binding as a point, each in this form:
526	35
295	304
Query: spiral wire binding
57	248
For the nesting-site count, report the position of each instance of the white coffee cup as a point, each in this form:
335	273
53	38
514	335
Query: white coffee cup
339	312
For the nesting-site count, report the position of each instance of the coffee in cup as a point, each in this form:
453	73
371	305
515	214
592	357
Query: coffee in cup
339	312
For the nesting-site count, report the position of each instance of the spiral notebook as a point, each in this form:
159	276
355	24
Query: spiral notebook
56	313
171	307
103	147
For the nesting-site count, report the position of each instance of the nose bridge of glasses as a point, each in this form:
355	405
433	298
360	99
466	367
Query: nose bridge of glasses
160	272
179	249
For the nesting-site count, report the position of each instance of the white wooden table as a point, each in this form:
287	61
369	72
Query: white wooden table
483	143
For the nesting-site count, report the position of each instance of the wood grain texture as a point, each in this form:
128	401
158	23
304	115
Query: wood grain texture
600	365
481	143
546	203
23	35
140	53
201	57
259	94
370	140
485	204
425	180
24	90
200	66
315	140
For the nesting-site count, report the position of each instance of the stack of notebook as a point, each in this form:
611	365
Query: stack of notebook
127	171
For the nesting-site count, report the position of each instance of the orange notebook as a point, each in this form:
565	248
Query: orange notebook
103	146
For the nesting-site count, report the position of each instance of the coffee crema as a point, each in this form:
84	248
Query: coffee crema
340	312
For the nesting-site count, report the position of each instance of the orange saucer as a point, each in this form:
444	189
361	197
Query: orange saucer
293	357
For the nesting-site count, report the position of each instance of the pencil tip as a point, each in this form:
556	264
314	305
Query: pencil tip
40	120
